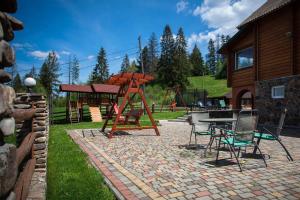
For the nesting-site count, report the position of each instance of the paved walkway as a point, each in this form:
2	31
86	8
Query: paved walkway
144	166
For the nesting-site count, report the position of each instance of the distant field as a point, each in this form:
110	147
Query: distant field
214	87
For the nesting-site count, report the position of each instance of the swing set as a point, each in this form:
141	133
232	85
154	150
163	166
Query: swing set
172	105
130	86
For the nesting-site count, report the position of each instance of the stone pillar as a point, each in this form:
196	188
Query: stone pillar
39	125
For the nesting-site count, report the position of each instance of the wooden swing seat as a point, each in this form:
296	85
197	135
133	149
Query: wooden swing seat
133	116
130	85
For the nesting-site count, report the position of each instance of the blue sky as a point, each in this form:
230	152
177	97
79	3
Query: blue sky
81	27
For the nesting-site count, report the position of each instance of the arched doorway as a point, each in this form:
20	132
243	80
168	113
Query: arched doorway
245	100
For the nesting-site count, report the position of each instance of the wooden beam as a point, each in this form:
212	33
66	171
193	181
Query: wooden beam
149	112
134	128
25	147
21	188
294	37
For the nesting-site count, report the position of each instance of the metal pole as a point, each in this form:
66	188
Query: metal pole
142	65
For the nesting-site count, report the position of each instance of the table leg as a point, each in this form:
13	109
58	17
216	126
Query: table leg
255	148
218	148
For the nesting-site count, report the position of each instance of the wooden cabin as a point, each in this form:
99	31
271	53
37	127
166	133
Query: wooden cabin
264	59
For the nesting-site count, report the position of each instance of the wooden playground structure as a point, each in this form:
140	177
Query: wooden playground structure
129	86
172	105
96	96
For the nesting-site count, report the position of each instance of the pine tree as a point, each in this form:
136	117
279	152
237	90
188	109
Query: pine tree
181	68
197	63
132	67
17	83
221	70
93	76
166	61
49	74
227	38
100	72
211	59
223	40
146	60
153	53
125	64
32	73
74	70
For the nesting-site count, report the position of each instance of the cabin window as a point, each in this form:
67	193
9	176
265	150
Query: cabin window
278	92
244	58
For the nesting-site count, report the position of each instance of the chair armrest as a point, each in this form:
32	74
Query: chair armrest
270	132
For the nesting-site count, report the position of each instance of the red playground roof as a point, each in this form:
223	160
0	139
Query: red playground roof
124	78
94	88
75	88
104	88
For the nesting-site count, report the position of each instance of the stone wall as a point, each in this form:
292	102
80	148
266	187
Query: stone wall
39	124
270	109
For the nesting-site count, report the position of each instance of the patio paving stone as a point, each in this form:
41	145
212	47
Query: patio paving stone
144	166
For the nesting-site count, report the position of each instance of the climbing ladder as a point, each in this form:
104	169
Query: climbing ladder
95	113
74	115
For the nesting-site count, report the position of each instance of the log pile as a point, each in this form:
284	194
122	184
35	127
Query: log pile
16	164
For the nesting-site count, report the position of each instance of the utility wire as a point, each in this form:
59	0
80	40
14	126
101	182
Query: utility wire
87	59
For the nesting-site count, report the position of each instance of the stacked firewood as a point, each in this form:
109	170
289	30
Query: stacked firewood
16	164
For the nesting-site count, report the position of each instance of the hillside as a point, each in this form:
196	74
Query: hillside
214	87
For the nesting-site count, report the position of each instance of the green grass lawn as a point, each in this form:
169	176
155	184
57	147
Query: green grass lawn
70	175
215	88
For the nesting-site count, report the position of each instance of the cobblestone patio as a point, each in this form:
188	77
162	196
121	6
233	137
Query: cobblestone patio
144	166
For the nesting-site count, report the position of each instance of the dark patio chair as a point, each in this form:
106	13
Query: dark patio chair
199	128
266	134
222	104
242	136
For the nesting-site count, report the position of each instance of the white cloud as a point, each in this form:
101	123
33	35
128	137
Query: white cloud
22	46
90	57
222	17
181	6
41	55
65	53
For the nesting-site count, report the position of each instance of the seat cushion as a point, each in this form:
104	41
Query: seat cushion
229	132
264	136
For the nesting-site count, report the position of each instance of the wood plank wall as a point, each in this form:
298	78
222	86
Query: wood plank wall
275	45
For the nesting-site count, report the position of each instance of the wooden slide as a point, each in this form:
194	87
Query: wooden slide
95	113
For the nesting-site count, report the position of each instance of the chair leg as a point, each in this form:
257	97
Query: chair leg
191	137
216	142
217	157
261	153
255	148
285	149
230	152
196	140
212	141
208	145
239	152
236	157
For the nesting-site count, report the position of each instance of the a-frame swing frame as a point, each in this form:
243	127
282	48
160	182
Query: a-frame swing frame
131	86
175	89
